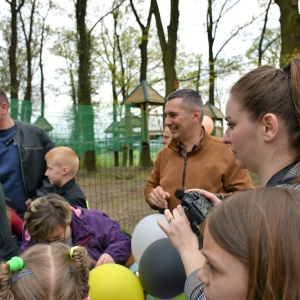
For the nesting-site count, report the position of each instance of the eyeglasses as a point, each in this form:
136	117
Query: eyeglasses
57	240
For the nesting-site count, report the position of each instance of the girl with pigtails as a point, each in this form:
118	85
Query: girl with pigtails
46	271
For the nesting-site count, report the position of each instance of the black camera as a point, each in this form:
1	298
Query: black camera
196	207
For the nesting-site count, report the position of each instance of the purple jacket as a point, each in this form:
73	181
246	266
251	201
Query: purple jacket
94	230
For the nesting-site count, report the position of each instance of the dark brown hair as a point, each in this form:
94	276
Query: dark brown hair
45	214
261	228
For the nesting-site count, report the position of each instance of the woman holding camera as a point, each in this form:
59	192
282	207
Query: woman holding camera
263	115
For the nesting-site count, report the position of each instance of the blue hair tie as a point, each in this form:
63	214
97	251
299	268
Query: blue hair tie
20	275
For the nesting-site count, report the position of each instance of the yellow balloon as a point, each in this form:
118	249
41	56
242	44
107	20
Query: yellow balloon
114	282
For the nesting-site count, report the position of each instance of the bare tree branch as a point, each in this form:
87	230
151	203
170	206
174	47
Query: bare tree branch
106	15
234	34
263	31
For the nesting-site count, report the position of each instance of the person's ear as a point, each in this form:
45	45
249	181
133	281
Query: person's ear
196	115
65	170
4	106
270	125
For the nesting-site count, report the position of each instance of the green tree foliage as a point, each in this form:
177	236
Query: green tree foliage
270	48
190	72
4	55
65	46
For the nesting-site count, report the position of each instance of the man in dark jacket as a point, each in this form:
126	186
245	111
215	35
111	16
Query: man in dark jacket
8	246
22	164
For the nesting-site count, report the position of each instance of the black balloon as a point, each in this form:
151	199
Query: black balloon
161	270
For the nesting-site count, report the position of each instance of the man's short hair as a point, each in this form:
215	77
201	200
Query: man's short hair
64	156
190	100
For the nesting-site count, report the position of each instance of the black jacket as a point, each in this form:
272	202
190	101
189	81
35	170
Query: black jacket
33	143
70	191
8	246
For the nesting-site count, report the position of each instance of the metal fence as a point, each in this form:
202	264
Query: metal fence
118	191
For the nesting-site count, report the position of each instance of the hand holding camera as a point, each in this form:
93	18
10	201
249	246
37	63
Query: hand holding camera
196	207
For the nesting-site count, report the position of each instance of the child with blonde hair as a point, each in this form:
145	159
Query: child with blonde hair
62	166
46	271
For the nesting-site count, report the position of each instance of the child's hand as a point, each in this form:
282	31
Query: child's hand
105	259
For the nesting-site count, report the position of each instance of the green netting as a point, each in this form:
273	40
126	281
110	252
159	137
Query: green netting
102	128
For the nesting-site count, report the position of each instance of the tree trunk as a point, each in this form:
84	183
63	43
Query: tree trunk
211	59
90	160
84	49
28	42
84	81
13	67
262	35
41	65
168	48
128	140
290	29
145	156
14	83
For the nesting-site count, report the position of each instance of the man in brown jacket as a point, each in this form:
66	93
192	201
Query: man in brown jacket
193	159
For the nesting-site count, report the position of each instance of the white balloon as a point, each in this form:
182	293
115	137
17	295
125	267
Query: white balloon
145	233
